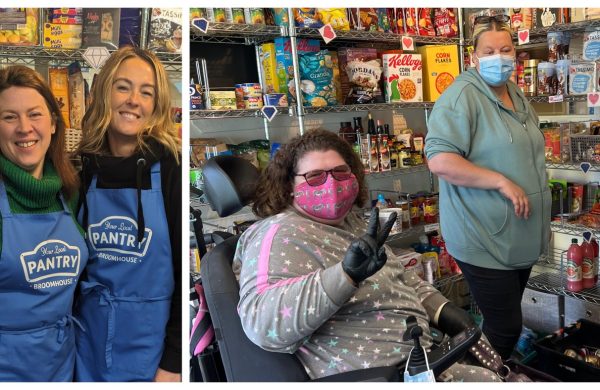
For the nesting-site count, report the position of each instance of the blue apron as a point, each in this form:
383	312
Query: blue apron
125	298
42	258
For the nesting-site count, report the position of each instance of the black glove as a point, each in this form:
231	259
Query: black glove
453	319
366	255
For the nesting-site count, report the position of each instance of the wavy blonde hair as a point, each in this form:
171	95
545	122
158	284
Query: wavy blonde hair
492	25
96	120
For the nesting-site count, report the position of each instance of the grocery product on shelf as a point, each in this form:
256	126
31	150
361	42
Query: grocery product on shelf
76	95
440	68
254	15
165	33
307	17
403	77
59	84
520	18
130	26
101	27
574	261
336	17
19	26
581	77
445	22
284	64
268	64
316	75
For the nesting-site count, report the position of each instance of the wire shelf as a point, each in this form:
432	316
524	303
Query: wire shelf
554	283
412	231
397	172
375	36
571	167
236	33
440	283
28	55
566	98
366	107
572	229
221	114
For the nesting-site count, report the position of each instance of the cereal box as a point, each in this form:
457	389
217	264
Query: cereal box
268	63
285	68
440	68
403	77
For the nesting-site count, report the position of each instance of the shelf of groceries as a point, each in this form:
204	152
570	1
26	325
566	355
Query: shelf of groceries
555	283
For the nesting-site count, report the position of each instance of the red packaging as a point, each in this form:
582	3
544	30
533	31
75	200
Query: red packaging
398	20
410	19
574	261
445	22
425	22
587	266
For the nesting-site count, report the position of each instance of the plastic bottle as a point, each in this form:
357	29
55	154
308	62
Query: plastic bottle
381	203
595	245
574	262
587	266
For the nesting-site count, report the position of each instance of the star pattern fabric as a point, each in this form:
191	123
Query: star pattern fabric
295	297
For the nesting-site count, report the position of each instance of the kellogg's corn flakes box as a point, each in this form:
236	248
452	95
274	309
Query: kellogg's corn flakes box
403	77
440	68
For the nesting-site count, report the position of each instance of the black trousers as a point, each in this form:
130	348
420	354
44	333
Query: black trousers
498	295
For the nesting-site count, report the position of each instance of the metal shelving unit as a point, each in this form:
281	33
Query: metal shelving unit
247	34
554	283
366	107
566	98
221	114
398	172
572	229
572	167
375	37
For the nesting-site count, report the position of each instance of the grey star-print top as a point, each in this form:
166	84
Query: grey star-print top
295	297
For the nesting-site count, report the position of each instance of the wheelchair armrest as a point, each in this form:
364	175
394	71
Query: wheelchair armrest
375	374
216	237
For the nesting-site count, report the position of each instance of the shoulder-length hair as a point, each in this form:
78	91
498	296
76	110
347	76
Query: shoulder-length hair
24	77
275	185
96	120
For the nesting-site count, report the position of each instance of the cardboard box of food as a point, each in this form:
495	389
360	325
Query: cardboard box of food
403	77
440	67
19	26
62	36
268	63
222	100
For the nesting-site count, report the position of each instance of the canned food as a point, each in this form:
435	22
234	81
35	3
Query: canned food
252	103
252	90
530	77
403	204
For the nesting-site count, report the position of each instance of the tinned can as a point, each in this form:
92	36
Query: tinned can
530	77
252	90
252	103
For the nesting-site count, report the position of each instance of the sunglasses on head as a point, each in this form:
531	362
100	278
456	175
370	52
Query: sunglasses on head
484	19
319	176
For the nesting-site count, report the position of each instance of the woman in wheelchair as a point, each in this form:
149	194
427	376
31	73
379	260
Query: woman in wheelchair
314	277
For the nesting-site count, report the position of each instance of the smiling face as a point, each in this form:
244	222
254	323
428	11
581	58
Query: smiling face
26	128
133	97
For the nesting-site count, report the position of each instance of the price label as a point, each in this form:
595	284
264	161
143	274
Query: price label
555	99
432	227
327	33
408	43
593	99
523	36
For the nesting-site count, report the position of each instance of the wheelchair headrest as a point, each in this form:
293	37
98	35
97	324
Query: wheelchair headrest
229	183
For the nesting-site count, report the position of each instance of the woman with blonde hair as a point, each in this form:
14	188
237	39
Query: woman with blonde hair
42	249
129	303
485	145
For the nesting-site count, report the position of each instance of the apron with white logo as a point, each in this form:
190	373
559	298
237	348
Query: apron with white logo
42	258
126	294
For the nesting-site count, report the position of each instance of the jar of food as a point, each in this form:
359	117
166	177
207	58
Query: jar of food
416	157
403	204
415	211
430	209
530	77
347	132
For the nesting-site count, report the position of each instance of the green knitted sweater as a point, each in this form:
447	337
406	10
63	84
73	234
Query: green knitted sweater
28	195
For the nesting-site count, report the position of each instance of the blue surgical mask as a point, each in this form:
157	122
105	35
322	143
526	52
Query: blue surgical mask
496	69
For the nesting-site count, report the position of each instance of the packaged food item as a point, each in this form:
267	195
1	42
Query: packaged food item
562	76
101	27
425	22
275	99
59	84
334	16
203	13
62	36
546	79
530	77
556	45
219	14
410	21
268	64
581	77
285	68
130	26
368	19
337	82
252	102
254	15
307	17
222	100
196	97
280	16
237	16
398	24
591	44
592	13
251	90
383	20
363	78
316	76
19	26
165	30
445	22
76	95
440	68
64	15
403	75
520	18
354	18
386	213
348	55
546	17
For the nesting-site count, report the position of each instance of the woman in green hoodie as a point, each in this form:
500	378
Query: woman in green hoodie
485	146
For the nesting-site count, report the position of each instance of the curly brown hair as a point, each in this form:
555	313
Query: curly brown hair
275	185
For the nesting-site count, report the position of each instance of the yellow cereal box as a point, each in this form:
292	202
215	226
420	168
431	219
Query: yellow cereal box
440	68
268	63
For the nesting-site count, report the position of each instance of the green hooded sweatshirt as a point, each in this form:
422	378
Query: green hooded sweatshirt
479	226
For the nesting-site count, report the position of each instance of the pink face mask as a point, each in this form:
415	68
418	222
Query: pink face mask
331	200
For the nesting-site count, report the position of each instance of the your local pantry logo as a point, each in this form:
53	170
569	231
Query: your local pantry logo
119	234
49	259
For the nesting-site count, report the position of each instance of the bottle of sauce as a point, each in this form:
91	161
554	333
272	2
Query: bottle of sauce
587	266
574	262
595	246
